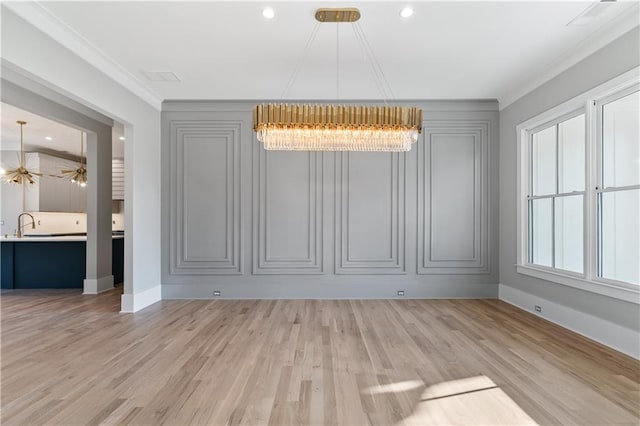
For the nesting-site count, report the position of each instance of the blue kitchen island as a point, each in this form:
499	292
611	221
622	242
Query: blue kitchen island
51	262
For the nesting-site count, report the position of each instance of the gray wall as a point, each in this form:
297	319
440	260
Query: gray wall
262	224
612	60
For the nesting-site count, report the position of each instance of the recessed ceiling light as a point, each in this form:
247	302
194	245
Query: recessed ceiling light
268	13
49	138
121	138
163	76
406	12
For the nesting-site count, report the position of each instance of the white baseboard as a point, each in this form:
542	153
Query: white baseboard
360	288
97	285
615	336
134	302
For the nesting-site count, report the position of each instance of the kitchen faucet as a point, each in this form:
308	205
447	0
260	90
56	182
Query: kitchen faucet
33	224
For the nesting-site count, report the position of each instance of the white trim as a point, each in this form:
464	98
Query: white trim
41	18
588	281
603	36
620	292
615	336
97	285
134	302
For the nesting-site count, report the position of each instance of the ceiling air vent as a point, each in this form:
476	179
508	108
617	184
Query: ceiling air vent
161	75
591	12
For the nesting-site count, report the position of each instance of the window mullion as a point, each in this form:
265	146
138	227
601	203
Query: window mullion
598	177
592	168
558	158
531	164
553	232
530	231
553	200
617	188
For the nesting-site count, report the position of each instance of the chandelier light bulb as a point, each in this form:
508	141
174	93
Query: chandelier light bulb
2	171
406	12
268	13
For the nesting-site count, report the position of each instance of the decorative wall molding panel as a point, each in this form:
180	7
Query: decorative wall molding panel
370	210
453	198
287	212
250	223
205	197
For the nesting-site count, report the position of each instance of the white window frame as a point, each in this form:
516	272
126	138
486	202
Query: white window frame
590	103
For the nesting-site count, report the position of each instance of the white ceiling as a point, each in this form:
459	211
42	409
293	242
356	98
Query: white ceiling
446	50
65	141
227	50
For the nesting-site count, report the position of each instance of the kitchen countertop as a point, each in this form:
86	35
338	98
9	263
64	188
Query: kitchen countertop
42	238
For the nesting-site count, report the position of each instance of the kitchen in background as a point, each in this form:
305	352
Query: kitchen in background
46	222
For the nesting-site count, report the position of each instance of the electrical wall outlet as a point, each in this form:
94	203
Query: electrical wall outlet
400	292
216	293
538	308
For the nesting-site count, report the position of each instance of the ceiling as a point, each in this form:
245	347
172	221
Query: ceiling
228	50
65	141
446	50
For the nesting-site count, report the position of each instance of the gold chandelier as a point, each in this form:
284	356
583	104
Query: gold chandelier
337	128
308	127
21	175
79	175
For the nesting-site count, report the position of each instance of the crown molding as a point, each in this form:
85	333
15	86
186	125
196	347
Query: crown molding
625	22
45	21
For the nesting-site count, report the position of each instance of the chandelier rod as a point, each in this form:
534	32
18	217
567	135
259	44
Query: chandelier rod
21	145
337	60
81	149
303	59
373	61
374	74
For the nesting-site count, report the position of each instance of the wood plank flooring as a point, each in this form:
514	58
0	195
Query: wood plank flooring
73	359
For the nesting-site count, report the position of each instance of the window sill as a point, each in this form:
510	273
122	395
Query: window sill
616	291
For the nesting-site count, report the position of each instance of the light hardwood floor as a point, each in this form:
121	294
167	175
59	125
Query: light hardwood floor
72	359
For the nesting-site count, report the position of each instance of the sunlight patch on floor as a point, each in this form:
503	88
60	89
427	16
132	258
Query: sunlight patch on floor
470	401
474	400
394	387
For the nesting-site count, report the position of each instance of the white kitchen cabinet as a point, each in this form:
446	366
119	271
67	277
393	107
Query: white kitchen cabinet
53	193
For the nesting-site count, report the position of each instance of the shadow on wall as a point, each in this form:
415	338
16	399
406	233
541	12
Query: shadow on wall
474	400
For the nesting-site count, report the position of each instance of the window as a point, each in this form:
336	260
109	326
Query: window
556	203
619	187
579	191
